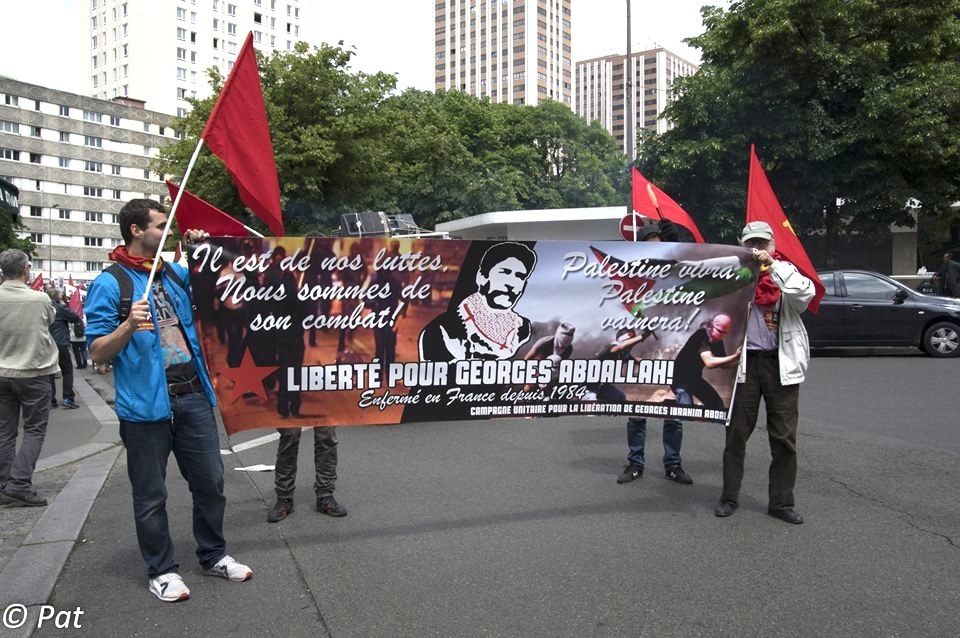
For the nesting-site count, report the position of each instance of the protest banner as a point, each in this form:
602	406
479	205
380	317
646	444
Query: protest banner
355	331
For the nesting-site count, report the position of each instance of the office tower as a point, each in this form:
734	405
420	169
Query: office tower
602	87
158	51
513	51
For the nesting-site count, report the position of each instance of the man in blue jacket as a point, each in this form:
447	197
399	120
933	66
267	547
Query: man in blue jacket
164	398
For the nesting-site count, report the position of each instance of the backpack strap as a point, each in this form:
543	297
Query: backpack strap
126	286
126	289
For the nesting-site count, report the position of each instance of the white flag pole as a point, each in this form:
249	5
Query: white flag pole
173	212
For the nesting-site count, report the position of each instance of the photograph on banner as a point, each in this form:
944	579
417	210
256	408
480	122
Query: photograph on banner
307	331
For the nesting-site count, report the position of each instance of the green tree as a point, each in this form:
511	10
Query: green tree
854	106
345	142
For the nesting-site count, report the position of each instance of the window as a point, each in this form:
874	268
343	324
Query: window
181	14
91	116
124	8
93	41
89	140
36	211
90	191
216	24
9	127
114	169
257	36
181	33
181	73
116	194
182	53
35	131
124	49
231	28
92	216
258	18
181	94
231	9
65	111
9	154
162	130
63	213
193	37
94	266
124	29
64	137
95	167
63	162
115	120
146	173
864	286
36	238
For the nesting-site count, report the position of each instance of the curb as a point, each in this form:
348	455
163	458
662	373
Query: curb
33	571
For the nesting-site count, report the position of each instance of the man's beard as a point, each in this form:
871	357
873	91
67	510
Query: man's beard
491	295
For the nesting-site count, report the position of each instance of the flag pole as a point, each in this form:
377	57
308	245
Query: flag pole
173	212
251	231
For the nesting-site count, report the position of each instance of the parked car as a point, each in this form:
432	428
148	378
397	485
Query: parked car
863	309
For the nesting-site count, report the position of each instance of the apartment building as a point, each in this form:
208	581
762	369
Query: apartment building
603	85
158	52
511	51
76	161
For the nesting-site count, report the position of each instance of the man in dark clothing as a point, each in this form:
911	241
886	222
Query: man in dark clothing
663	230
60	331
290	353
948	277
704	349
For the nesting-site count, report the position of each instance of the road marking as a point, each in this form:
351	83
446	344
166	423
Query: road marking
246	445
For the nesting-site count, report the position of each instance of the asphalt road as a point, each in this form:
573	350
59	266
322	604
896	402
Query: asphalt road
517	528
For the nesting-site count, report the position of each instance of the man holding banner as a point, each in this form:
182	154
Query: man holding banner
164	397
773	369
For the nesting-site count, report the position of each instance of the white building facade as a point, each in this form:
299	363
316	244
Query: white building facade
510	51
76	161
158	51
604	83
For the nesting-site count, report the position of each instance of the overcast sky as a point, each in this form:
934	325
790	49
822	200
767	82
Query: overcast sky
43	40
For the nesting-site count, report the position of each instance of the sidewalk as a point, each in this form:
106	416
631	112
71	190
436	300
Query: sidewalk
80	448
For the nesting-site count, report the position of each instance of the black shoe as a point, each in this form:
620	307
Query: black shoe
629	473
54	404
280	510
725	509
23	499
70	404
787	516
329	506
677	473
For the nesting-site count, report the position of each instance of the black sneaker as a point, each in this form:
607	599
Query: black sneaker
23	499
630	473
329	506
70	404
677	473
280	510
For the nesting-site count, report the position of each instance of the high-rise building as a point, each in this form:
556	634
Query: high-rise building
158	52
76	161
513	51
602	87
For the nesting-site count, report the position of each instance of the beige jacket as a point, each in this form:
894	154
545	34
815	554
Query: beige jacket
26	347
797	292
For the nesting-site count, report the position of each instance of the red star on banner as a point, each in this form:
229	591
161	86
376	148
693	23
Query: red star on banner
248	377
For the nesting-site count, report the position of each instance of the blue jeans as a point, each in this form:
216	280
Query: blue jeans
192	437
672	435
672	440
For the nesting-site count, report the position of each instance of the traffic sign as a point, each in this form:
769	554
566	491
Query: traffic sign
630	226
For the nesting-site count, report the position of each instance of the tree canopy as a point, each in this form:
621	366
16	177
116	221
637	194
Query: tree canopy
345	141
854	106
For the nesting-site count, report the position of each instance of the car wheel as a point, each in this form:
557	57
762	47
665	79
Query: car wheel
942	340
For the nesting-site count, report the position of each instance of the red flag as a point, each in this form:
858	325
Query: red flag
195	213
76	303
71	281
177	253
762	206
37	283
237	133
659	204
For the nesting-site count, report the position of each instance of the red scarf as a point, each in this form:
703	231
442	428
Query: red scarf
121	256
768	293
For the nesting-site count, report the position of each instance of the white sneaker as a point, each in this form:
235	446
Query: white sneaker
230	569
169	587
